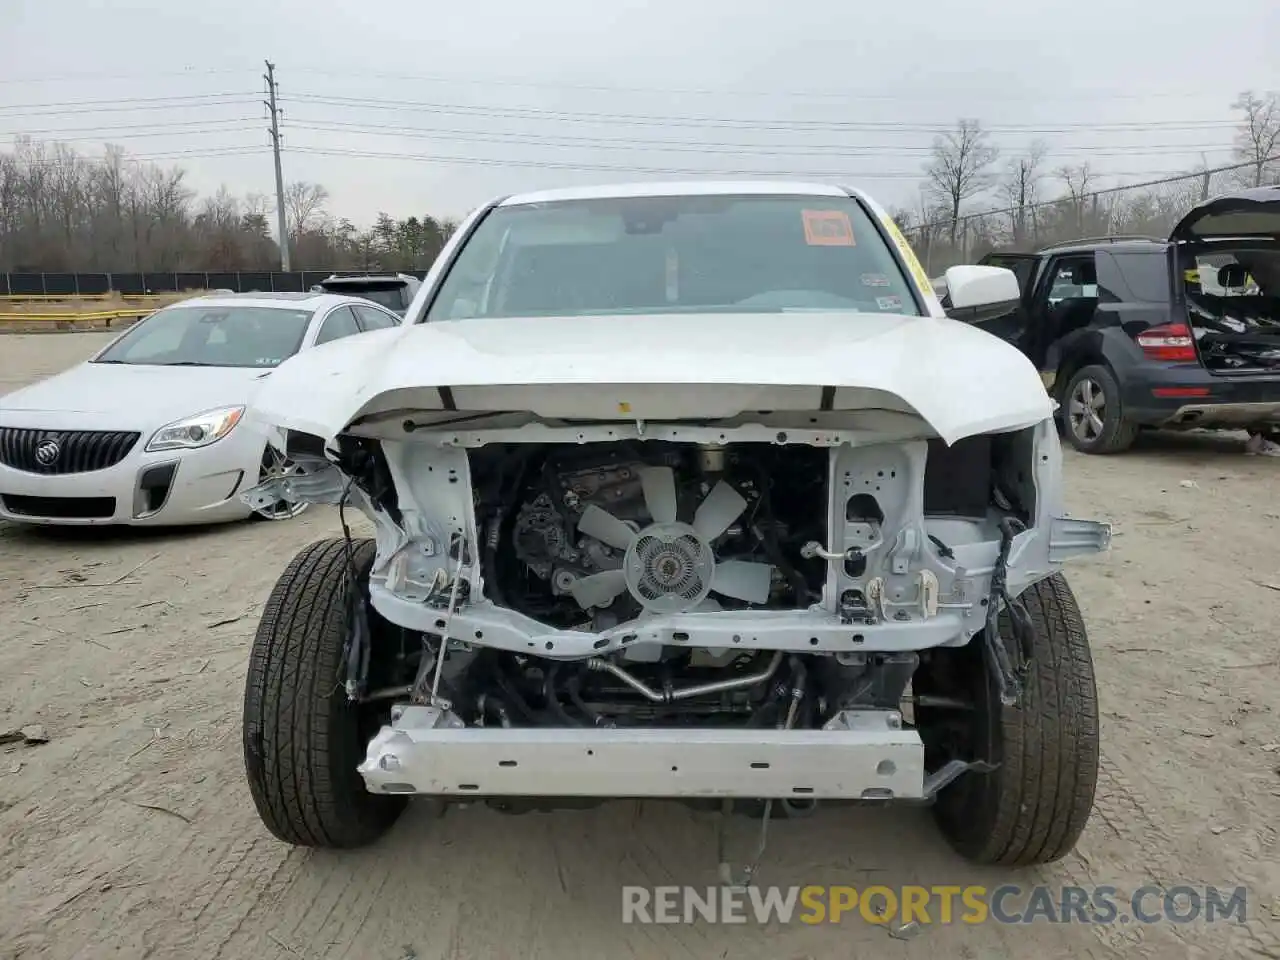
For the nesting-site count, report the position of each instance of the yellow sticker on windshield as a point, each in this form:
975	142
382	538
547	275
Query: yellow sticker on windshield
909	255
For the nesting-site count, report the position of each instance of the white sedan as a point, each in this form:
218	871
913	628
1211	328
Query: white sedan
145	432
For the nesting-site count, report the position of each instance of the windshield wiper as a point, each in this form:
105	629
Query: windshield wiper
185	363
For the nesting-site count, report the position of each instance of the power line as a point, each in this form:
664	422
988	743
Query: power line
834	151
245	150
112	138
840	175
227	151
238	102
72	77
532	113
123	101
854	94
555	165
840	95
146	129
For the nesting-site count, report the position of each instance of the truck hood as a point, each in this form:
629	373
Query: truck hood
959	379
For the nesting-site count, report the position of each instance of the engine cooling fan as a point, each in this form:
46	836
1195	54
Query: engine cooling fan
669	566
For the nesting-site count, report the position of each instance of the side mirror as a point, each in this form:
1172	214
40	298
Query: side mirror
977	294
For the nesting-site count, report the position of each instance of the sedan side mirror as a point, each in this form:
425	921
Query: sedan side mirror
977	294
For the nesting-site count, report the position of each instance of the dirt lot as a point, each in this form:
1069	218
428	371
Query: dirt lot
131	833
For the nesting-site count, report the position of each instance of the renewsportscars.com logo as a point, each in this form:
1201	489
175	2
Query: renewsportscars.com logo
939	904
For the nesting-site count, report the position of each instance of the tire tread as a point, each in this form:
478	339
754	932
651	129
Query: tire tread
1033	808
301	737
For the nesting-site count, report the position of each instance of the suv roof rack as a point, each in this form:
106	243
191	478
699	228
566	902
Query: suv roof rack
1114	238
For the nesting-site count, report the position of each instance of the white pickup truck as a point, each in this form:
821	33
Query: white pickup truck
688	491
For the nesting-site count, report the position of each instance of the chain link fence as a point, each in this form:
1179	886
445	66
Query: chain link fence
1149	209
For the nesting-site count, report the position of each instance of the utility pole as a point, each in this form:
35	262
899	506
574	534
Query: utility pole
281	222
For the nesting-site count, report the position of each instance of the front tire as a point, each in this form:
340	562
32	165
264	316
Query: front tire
1092	415
302	737
1034	806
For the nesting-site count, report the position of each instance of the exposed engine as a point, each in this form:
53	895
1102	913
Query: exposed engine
601	533
597	537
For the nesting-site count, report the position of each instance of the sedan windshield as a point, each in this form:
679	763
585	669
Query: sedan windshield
692	254
203	335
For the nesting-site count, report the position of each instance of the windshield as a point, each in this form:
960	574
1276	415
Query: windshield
389	296
201	335
696	254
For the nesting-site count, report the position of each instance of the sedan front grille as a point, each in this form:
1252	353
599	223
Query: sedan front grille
52	452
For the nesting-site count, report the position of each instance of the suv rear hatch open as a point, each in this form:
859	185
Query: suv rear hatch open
393	291
1229	267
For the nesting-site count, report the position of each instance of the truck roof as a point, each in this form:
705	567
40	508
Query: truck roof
679	188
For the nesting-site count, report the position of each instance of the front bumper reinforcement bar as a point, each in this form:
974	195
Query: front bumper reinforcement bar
859	755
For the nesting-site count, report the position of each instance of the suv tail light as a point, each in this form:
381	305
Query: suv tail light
1170	342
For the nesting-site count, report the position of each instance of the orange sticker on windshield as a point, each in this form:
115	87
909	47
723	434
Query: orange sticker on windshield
827	228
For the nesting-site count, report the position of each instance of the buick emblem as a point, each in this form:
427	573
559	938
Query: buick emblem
47	452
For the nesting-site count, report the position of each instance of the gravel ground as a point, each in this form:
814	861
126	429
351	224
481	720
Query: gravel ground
130	833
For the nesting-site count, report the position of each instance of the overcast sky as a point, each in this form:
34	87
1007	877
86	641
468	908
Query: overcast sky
413	107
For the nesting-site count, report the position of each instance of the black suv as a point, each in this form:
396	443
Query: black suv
1134	332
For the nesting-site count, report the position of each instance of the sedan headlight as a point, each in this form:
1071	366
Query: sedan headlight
198	431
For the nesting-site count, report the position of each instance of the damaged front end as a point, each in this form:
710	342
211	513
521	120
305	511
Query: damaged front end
724	608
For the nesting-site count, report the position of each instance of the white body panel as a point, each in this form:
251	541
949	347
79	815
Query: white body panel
655	368
868	756
650	368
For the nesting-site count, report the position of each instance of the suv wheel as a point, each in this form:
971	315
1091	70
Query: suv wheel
1091	412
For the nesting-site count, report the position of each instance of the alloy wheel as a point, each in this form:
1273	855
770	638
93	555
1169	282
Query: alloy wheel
1087	410
274	466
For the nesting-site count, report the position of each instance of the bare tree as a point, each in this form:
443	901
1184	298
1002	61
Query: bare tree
960	167
304	204
1258	136
1022	187
1077	180
256	205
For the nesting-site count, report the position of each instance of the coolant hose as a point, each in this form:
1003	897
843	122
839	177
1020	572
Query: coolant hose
771	547
489	560
553	701
574	688
512	694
